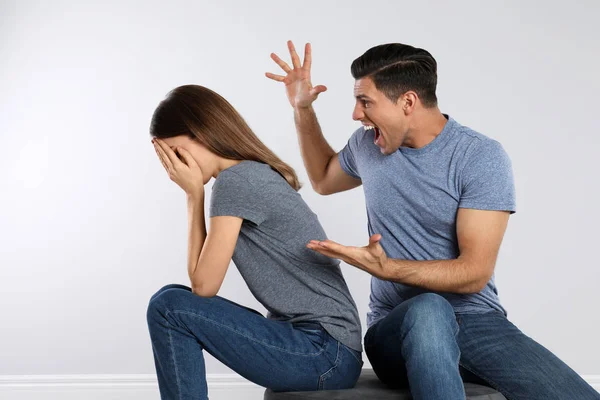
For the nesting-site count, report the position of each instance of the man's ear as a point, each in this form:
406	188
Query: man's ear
410	100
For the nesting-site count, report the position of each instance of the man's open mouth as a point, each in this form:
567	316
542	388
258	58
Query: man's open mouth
376	130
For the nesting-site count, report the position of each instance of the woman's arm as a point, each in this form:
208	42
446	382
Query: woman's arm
196	231
207	270
209	254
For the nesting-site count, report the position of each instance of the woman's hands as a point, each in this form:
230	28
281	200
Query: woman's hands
184	171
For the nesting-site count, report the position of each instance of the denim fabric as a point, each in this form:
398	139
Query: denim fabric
275	354
423	344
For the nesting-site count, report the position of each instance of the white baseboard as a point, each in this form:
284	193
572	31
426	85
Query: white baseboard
115	387
131	387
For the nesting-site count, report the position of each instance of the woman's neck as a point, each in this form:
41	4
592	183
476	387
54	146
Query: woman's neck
222	164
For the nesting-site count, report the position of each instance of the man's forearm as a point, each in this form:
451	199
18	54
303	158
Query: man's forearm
196	232
315	150
452	276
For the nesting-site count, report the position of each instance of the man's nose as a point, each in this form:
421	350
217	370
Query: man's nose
357	114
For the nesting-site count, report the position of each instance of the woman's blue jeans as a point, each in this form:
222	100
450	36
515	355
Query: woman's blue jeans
278	355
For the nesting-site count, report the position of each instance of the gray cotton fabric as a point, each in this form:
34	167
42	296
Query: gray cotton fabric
412	197
293	283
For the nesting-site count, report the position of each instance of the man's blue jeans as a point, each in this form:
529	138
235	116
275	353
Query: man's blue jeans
423	344
274	354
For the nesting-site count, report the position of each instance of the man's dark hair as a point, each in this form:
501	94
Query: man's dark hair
396	68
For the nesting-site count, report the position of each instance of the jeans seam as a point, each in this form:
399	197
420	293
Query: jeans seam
177	381
248	337
493	385
330	370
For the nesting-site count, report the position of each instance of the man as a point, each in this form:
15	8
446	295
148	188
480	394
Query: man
438	198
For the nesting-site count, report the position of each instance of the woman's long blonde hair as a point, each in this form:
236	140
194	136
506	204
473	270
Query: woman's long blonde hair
203	114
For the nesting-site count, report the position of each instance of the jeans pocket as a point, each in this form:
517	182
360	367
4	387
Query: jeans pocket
345	371
329	374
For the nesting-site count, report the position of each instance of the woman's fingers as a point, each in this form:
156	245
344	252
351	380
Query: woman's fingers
159	153
187	157
171	158
163	155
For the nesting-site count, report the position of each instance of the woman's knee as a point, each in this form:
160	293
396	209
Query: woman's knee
168	287
164	299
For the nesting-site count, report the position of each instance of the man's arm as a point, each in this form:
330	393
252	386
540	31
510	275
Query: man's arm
320	160
480	234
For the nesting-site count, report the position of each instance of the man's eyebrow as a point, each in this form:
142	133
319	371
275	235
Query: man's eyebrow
362	97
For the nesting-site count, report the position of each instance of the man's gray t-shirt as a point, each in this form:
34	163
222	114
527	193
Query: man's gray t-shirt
412	198
292	282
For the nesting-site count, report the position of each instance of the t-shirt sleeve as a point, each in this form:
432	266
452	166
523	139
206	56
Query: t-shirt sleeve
349	154
233	195
487	179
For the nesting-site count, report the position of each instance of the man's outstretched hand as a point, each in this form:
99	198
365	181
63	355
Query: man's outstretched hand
370	258
299	89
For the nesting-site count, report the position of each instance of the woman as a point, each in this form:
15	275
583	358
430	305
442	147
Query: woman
311	338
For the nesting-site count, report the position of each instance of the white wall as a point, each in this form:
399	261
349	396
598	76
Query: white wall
90	226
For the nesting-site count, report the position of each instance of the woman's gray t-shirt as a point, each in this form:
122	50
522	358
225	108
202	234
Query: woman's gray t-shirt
292	282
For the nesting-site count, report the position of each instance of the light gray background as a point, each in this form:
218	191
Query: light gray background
91	227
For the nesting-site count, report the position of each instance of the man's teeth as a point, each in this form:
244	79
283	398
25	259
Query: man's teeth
367	127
